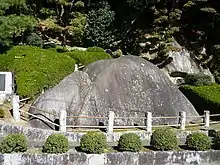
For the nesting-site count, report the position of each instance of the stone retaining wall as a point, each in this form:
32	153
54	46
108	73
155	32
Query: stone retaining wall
125	158
42	134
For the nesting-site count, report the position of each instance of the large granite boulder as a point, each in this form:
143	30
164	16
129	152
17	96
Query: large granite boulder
179	62
129	86
183	63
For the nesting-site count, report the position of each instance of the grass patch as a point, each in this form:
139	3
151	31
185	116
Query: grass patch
203	97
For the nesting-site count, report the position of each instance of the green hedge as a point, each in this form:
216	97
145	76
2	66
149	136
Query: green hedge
86	57
203	97
36	68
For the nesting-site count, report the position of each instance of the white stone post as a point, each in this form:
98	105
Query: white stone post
182	120
207	118
148	121
16	112
63	116
110	122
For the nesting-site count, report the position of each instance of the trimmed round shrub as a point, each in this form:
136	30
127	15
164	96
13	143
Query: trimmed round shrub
129	142
2	113
95	49
198	79
55	144
164	140
93	142
15	142
198	141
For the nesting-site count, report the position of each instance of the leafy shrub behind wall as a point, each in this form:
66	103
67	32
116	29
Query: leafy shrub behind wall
198	141
14	142
55	144
93	142
130	142
164	139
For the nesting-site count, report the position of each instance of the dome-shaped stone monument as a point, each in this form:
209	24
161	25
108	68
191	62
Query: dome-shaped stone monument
129	86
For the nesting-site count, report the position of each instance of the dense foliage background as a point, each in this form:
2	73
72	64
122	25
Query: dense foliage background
133	26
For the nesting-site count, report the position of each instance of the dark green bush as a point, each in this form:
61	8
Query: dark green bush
93	142
95	49
129	142
198	141
34	40
56	143
85	57
36	68
15	142
217	140
198	79
203	97
2	113
164	139
100	29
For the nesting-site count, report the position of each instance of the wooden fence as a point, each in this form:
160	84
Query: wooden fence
111	117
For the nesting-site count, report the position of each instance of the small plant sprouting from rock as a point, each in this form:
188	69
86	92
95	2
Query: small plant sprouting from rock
55	144
2	113
130	142
15	142
93	142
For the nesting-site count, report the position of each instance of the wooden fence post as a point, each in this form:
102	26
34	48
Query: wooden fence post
63	116
110	122
16	106
182	120
207	118
148	121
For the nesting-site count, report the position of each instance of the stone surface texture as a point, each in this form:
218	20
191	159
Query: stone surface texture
126	158
183	63
129	86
